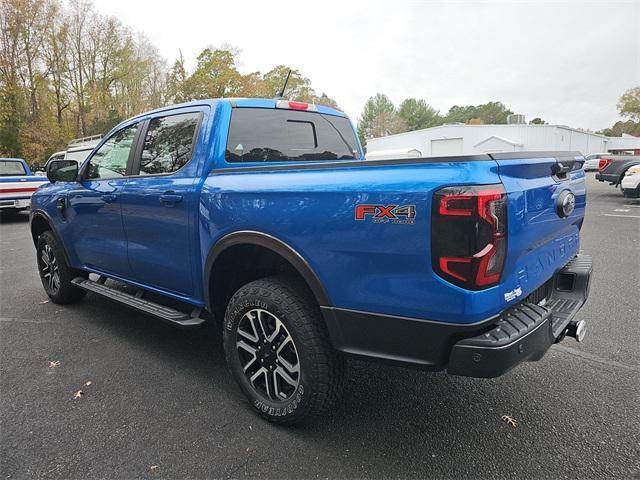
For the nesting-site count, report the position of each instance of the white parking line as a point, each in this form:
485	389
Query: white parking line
614	215
633	206
621	210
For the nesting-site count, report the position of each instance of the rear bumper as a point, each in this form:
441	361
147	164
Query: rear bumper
607	177
22	203
486	349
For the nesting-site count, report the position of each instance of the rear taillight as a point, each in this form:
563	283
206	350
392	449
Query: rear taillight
604	163
468	235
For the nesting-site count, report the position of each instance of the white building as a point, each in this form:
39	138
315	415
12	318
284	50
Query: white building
462	139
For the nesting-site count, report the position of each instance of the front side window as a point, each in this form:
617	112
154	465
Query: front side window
168	143
110	160
273	135
11	167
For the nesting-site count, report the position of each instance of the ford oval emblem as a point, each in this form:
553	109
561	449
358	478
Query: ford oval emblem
566	203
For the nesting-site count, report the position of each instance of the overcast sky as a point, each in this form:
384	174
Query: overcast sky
565	61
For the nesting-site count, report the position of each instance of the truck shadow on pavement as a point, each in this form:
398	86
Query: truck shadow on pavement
14	217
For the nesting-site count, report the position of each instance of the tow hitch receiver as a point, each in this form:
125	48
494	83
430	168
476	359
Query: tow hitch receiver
525	331
577	330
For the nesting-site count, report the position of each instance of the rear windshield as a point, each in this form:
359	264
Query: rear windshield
11	167
271	135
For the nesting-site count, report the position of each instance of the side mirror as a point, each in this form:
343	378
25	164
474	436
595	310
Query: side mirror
62	171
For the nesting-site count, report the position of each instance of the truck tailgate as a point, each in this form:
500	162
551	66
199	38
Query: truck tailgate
20	186
546	204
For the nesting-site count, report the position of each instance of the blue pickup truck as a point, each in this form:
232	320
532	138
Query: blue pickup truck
263	217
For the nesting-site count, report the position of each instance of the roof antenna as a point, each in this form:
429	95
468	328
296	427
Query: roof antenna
279	97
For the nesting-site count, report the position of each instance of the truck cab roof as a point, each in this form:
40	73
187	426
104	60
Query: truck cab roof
254	103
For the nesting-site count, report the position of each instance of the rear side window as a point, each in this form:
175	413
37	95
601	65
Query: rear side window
272	135
10	167
168	143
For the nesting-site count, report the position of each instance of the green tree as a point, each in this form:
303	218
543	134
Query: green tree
216	75
418	114
458	114
629	104
493	113
298	87
175	82
537	121
629	127
489	113
379	118
67	71
628	107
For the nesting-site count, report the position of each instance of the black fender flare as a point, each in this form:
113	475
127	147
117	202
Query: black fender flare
250	237
45	216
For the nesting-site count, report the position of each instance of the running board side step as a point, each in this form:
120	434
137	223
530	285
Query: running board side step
170	315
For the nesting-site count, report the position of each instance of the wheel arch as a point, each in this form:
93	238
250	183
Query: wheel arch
40	223
276	247
624	169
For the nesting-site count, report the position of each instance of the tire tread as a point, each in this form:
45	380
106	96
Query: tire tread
304	313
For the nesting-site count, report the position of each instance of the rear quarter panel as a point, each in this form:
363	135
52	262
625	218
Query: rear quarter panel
375	267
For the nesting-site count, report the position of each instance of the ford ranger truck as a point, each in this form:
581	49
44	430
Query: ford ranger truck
17	184
265	216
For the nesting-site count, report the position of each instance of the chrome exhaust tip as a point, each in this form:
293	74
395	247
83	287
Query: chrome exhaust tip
577	330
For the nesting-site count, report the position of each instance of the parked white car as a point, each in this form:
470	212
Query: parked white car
591	161
630	183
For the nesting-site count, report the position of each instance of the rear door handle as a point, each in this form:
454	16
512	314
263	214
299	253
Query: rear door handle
109	197
170	198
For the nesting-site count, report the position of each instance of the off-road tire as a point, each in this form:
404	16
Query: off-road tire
321	375
62	292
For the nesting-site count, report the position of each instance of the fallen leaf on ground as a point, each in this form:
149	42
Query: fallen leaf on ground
87	383
509	420
43	302
54	363
78	394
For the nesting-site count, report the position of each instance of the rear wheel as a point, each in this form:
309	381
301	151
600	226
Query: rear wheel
55	273
279	353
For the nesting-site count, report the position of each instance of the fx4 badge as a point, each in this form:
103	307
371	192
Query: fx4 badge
398	214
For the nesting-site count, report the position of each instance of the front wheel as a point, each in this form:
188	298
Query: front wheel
279	352
55	273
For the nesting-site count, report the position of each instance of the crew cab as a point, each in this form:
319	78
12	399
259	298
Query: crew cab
17	184
263	216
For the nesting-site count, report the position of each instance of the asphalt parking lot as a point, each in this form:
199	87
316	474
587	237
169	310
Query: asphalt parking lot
158	402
